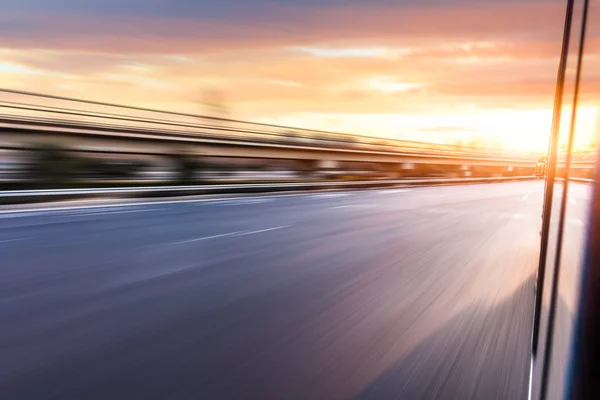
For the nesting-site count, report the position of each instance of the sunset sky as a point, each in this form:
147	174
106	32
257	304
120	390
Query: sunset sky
428	70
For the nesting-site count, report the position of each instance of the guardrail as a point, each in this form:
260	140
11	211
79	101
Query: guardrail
26	195
580	180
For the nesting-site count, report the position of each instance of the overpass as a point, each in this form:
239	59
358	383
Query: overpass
107	130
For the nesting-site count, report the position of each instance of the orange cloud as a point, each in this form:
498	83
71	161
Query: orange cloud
418	61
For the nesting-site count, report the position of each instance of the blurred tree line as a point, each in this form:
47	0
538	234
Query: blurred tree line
52	166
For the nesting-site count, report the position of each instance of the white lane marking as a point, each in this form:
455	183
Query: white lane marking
110	212
77	212
232	234
238	202
117	211
262	230
393	191
208	237
19	215
16	240
526	195
328	195
456	213
39	211
83	210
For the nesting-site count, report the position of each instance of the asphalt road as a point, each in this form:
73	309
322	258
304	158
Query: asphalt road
376	294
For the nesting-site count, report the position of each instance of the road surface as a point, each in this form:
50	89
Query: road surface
393	293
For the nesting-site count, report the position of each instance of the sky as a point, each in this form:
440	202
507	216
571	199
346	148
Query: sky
429	70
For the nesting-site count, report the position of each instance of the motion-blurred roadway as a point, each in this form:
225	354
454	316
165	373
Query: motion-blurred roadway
395	293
